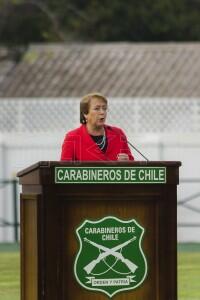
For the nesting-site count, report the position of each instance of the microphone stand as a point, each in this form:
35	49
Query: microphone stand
137	150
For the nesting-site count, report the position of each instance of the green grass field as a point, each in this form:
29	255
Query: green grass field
9	272
188	272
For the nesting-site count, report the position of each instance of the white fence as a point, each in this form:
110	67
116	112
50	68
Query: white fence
163	129
138	115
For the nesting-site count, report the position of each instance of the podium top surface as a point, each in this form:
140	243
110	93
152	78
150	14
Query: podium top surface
112	172
52	164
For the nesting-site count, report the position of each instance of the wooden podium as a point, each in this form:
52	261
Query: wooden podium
57	197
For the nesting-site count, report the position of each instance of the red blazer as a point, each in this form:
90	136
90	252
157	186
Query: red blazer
79	146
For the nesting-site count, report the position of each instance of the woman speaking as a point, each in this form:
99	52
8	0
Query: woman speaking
93	140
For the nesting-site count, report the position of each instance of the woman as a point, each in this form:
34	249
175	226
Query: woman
93	140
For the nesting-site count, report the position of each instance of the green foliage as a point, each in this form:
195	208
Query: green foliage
159	20
22	23
94	20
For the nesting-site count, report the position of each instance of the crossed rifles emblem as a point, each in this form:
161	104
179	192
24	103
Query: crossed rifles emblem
106	252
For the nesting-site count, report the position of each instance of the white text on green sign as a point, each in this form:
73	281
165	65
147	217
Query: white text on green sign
110	175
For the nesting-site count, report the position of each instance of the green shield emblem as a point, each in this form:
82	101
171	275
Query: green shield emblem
110	258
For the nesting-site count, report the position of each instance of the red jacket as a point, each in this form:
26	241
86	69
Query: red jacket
78	145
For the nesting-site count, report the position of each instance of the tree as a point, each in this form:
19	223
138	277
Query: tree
93	20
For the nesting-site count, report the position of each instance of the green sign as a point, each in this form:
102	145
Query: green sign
110	257
110	174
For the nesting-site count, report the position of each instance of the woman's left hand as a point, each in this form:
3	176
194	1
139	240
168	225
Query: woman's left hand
122	157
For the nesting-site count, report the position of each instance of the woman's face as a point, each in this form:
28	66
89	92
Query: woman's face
97	113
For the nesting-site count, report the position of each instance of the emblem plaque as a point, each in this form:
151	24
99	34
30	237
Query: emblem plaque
110	257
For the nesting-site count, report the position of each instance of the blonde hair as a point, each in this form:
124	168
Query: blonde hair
85	104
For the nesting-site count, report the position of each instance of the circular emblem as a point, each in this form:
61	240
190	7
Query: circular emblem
110	258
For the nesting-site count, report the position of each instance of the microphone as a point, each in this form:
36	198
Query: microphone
137	150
